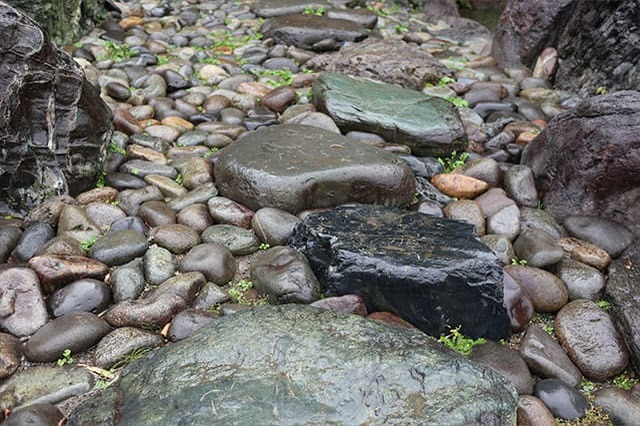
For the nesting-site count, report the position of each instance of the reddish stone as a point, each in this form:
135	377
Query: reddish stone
390	318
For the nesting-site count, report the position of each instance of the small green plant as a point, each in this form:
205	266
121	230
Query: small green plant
237	293
135	171
458	101
284	75
101	180
66	358
601	90
104	378
309	10
587	386
401	28
595	416
8	216
264	246
516	261
377	11
162	59
603	304
117	52
209	60
624	381
87	244
453	161
127	359
460	343
179	179
113	147
210	152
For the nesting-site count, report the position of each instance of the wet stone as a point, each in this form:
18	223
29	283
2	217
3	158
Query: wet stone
466	211
104	215
35	414
226	211
187	322
606	234
159	265
142	168
156	213
583	281
506	362
75	331
349	304
175	237
201	194
547	292
210	295
9	237
271	8
31	240
119	247
538	248
591	339
44	385
532	412
505	222
585	252
284	275
75	223
10	355
501	247
546	358
238	240
87	295
518	304
130	200
214	261
622	407
127	281
122	341
540	220
273	226
520	185
342	244
430	126
323	170
492	201
562	400
152	312
22	308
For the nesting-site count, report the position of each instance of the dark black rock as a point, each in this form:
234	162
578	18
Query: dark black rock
431	272
31	240
88	295
53	124
587	160
562	400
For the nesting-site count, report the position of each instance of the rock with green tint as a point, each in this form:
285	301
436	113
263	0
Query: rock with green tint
295	168
294	364
429	125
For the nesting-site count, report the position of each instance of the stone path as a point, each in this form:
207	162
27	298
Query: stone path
239	126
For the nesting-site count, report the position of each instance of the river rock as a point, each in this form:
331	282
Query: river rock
187	322
591	339
583	281
119	247
86	295
9	237
31	240
213	260
284	275
22	308
585	161
406	249
128	281
430	126
271	8
43	384
538	248
179	383
159	265
238	240
152	312
585	252
174	237
323	170
349	304
75	331
611	236
506	362
273	226
533	412
57	271
621	406
35	414
54	125
388	60
121	342
562	400
312	32
518	304
10	355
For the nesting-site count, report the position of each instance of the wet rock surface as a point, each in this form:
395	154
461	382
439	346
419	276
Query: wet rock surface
280	329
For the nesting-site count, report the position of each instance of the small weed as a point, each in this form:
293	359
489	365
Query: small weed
545	322
458	101
587	386
595	416
87	244
458	342
162	59
603	304
117	52
516	261
104	378
401	28
8	216
131	356
443	82
237	293
210	152
309	10
624	381
377	11
264	246
601	90
101	180
150	326
454	161
209	60
244	285
284	75
228	40
113	147
135	171
66	358
540	206
179	179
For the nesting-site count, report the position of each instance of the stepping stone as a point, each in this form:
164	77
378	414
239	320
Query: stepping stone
272	8
431	272
312	32
430	126
322	169
240	367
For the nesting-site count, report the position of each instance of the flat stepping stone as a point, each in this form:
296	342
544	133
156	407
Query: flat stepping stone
430	126
255	357
322	169
431	272
312	32
272	8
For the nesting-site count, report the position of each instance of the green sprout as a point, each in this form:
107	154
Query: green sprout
162	59
87	244
453	161
113	147
624	381
604	305
284	75
117	52
458	101
130	357
460	343
401	28
516	261
309	10
66	358
101	180
264	246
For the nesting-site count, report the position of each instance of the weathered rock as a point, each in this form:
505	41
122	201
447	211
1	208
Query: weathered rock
54	122
273	226
174	237
22	308
621	406
271	8
323	170
562	400
128	281
213	260
312	32
611	236
168	387
506	362
10	355
187	322
238	240
538	248
35	414
585	161
416	257
585	252
349	304
43	384
533	412
430	126
591	340
388	60
57	271
148	312
87	295
119	247
583	281
121	342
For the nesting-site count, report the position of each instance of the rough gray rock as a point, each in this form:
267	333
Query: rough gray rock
53	124
294	364
429	271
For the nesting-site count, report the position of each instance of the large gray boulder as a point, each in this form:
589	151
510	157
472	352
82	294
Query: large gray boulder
586	161
64	20
298	365
53	124
434	273
322	169
429	125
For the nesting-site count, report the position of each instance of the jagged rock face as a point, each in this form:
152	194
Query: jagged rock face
587	160
597	47
53	124
64	20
